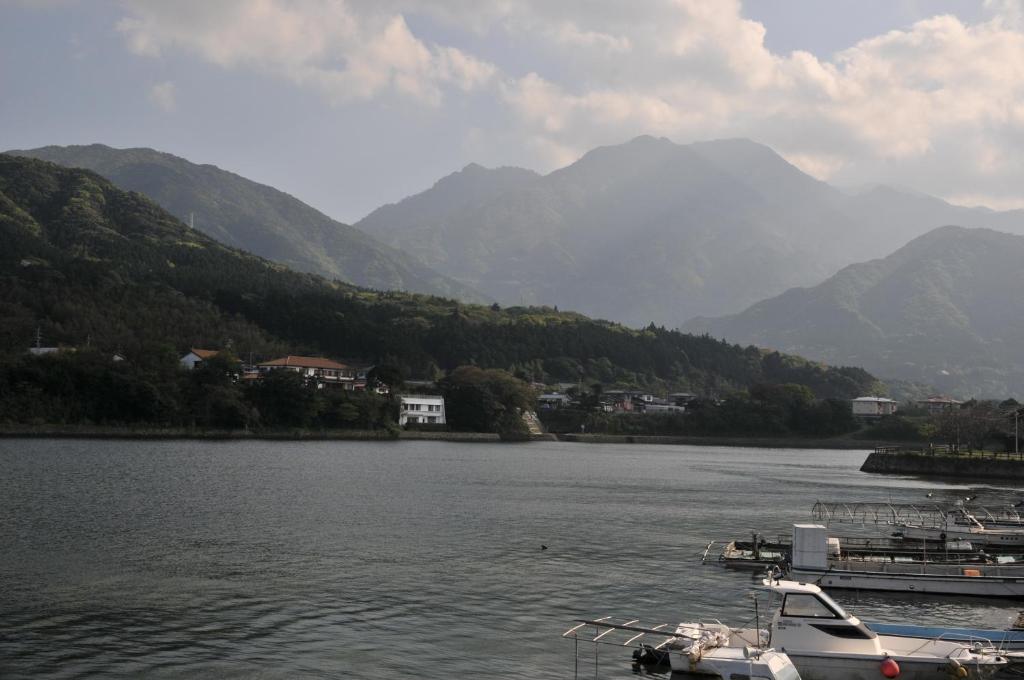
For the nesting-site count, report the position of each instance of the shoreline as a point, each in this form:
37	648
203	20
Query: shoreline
80	432
921	464
239	435
745	442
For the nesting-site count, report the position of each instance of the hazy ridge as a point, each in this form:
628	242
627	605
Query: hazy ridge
655	231
945	310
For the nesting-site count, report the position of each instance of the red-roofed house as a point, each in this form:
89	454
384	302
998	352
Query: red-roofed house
197	356
324	371
938	404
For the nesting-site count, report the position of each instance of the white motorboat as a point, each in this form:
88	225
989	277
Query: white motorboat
812	563
811	632
826	643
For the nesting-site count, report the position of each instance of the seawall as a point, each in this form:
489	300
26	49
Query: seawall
746	442
964	467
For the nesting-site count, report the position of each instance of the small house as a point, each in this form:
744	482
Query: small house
197	356
938	403
873	407
421	408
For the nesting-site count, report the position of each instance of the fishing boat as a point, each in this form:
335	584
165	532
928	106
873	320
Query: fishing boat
815	635
811	562
934	522
760	553
961	525
757	553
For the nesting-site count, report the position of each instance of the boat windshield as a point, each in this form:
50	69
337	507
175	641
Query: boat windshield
819	606
834	606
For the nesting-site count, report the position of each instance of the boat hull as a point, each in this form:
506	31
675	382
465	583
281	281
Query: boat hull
999	538
1006	640
1011	587
827	667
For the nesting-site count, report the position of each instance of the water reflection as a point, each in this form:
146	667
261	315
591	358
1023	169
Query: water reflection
375	559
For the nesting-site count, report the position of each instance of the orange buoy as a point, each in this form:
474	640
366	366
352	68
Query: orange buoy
889	668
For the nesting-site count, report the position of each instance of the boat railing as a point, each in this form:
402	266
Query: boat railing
605	626
967	642
933	515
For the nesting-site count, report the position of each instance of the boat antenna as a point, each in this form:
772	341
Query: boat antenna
757	621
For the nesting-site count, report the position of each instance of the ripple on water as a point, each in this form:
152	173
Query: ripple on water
379	560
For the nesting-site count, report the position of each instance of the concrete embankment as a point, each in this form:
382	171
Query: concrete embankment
948	466
755	442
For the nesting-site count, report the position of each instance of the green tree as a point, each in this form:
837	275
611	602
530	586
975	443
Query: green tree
487	400
283	399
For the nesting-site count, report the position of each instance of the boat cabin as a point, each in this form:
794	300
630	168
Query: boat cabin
808	618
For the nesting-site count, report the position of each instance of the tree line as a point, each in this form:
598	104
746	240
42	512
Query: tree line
106	271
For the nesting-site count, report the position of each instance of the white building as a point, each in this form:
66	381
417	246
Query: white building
421	408
553	400
196	356
873	407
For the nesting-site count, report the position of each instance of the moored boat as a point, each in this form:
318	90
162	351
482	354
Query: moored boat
827	643
811	562
815	635
961	525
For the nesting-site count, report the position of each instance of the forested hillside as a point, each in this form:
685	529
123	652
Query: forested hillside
257	218
97	268
944	310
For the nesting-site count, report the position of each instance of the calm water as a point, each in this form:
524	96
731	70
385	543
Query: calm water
387	560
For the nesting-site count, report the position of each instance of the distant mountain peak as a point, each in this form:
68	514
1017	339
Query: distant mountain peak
651	140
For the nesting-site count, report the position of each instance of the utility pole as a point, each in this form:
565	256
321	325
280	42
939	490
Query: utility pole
1016	432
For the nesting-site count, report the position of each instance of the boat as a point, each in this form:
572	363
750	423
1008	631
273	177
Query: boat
760	553
984	527
961	525
819	638
698	649
757	553
812	563
827	643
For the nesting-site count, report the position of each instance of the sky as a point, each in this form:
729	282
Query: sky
352	104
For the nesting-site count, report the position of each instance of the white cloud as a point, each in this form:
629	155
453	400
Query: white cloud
934	105
348	53
164	96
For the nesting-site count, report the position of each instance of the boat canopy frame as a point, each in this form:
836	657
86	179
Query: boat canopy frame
917	514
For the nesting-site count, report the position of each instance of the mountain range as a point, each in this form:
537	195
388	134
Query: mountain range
91	266
655	231
944	310
258	218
